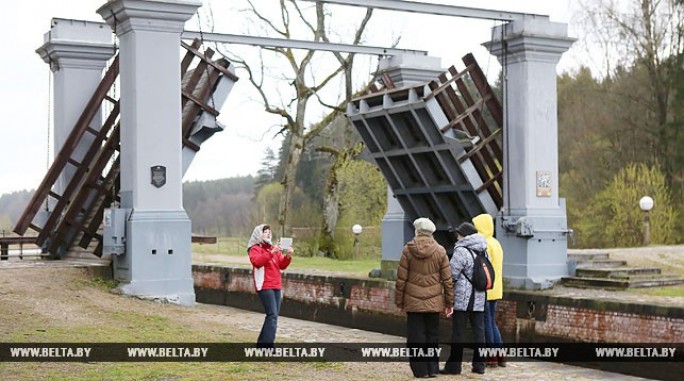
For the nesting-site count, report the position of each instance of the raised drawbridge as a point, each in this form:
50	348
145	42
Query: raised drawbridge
73	222
438	144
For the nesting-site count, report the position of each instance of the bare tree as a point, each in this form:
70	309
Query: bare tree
304	84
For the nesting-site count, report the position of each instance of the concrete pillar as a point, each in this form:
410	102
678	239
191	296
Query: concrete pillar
532	226
77	52
396	231
404	70
157	261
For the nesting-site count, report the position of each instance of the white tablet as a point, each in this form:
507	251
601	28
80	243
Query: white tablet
285	243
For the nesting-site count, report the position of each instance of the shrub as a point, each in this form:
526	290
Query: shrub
614	219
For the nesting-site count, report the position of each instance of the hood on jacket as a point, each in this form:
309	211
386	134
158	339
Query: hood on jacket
257	236
475	242
422	246
484	223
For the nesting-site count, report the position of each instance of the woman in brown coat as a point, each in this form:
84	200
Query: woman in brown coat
423	290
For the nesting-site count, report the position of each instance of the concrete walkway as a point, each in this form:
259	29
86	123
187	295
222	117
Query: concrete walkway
295	330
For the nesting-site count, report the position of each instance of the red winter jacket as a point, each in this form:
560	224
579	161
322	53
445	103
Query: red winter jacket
267	266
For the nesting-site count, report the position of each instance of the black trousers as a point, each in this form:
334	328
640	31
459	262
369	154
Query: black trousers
422	331
458	325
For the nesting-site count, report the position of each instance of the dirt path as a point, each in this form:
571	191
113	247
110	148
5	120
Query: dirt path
671	258
64	305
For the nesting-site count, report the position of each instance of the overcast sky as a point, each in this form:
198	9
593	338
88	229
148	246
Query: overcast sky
239	149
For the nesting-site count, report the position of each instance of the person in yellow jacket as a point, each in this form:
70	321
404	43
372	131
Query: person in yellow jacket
484	223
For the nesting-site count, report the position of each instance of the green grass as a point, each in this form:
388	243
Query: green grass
231	250
359	267
121	327
106	284
148	371
225	245
356	268
674	291
128	326
369	246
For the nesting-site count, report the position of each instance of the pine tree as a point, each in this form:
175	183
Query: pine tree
268	170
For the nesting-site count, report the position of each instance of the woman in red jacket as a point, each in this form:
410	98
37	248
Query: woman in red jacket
267	261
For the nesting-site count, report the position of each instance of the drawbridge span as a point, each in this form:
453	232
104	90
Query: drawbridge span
437	143
75	218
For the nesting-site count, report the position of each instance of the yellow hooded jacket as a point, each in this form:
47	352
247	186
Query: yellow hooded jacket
485	226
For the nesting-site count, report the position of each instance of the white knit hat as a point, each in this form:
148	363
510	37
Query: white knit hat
424	225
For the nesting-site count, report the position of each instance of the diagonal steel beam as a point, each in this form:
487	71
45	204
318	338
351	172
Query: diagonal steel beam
434	9
298	44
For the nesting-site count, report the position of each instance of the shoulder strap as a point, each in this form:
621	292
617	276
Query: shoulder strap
472	252
468	279
463	271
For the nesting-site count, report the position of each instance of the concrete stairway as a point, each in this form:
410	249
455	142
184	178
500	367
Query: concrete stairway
597	270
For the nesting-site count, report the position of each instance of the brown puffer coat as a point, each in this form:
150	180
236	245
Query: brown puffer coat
424	277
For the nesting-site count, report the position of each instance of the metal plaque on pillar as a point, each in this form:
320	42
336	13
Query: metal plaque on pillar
543	184
158	175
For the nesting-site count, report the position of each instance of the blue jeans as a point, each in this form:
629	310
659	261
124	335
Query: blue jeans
492	334
271	300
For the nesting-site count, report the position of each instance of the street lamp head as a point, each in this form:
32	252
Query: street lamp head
357	229
646	203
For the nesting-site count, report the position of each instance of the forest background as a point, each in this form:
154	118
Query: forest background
621	137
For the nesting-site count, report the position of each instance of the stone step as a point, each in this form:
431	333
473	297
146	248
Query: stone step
584	257
601	263
617	272
584	282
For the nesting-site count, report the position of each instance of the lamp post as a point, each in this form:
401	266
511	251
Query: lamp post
356	229
646	204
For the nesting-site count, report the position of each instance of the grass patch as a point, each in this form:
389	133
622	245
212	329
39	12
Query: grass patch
116	327
231	250
170	371
148	371
359	267
673	291
224	245
105	284
237	246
